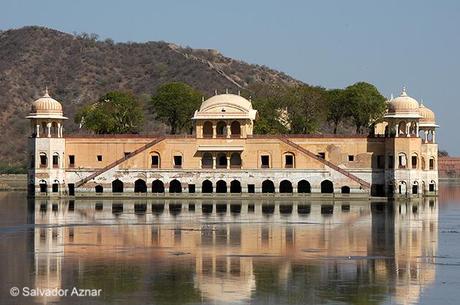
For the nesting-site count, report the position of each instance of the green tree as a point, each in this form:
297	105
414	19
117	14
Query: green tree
307	108
366	104
174	104
338	109
113	113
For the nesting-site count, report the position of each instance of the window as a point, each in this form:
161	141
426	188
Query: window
127	153
380	161
288	161
55	160
191	188
99	158
351	158
71	161
402	160
43	160
177	161
265	161
155	162
414	162
251	188
431	164
322	155
391	162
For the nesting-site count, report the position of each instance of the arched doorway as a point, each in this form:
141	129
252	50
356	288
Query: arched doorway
206	186
285	186
55	186
235	160
235	186
221	160
140	186
158	186
268	186
303	186
402	188
206	160
43	186
99	189
117	186
415	188
175	186
235	129
221	186
221	129
327	187
345	189
207	129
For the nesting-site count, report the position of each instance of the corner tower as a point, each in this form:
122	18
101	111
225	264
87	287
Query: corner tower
46	147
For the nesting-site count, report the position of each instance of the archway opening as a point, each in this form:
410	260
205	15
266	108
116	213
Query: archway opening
345	189
99	189
415	188
327	187
221	186
158	186
285	186
117	186
402	188
221	129
235	160
55	187
206	160
303	186
206	187
235	186
43	187
221	160
140	186
268	186
207	129
175	186
235	129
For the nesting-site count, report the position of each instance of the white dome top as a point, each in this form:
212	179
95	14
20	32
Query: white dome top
403	106
46	107
226	106
428	117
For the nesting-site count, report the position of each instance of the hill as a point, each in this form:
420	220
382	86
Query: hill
79	68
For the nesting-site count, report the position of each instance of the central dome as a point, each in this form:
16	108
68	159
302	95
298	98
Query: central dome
226	106
403	104
427	115
46	107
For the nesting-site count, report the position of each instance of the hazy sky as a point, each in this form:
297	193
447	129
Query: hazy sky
388	43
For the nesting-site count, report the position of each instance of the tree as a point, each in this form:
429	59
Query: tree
174	104
338	108
307	108
366	104
113	113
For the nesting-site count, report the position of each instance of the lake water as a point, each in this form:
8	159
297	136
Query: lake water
230	252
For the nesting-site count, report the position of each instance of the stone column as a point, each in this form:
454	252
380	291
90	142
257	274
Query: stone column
48	127
213	162
229	131
214	131
426	136
407	129
434	136
59	134
417	129
228	162
38	130
397	130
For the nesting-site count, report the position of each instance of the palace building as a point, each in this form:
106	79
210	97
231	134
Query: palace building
224	156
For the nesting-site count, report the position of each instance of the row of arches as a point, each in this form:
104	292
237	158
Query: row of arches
222	129
221	186
414	162
43	160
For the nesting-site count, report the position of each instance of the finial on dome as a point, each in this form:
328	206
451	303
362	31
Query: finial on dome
239	93
46	92
226	91
202	98
403	92
215	92
421	102
391	96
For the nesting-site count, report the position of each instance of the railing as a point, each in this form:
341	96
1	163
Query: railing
325	162
119	161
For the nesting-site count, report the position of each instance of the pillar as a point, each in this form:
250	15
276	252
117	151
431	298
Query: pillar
434	136
229	131
417	129
228	162
214	131
38	130
48	127
214	162
426	136
59	135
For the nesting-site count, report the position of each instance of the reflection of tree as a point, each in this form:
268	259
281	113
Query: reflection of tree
114	280
174	284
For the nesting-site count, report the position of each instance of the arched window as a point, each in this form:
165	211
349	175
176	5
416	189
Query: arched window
155	160
235	186
235	129
99	189
402	128
44	130
221	129
345	189
268	186
414	161
402	160
207	129
289	160
431	163
175	186
402	188
117	186
43	160
206	160
55	160
221	186
54	129
140	186
235	160
415	188
432	186
43	186
327	187
206	186
303	187
413	128
221	160
55	186
158	186
285	186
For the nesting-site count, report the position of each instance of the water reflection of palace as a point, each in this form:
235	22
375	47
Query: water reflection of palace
243	250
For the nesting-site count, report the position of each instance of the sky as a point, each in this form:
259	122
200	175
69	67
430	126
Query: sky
388	43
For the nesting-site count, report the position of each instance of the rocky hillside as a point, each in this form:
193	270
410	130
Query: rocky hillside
79	68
